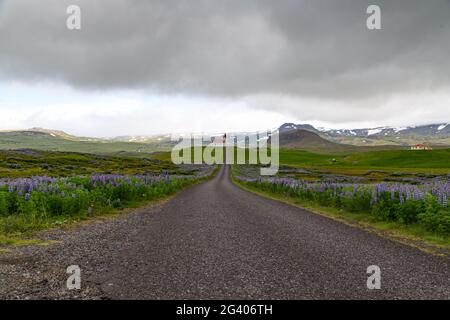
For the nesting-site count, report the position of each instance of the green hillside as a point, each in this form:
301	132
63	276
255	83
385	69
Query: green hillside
306	140
389	160
47	142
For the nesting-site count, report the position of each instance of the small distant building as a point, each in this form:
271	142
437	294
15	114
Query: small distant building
420	147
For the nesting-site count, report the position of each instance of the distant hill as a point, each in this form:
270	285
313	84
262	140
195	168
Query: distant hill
308	140
294	136
433	130
54	133
51	140
145	139
434	134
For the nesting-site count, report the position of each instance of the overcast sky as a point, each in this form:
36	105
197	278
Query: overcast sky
144	67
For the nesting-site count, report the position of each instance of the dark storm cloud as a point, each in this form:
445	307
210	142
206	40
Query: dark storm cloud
230	48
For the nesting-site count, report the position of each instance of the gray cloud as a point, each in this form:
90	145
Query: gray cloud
230	48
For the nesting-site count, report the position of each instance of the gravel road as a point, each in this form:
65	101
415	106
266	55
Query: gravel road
216	241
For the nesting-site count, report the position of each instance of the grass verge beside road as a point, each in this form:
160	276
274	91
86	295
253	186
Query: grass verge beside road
39	213
412	235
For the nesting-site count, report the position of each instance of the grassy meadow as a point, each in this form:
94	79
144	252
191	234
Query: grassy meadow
44	189
380	162
434	161
27	163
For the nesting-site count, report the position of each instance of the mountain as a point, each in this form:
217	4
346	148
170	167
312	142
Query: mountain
299	136
311	141
54	140
53	133
434	134
428	130
144	139
292	126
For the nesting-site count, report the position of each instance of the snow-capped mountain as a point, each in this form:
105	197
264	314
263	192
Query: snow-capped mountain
428	130
433	129
293	126
433	134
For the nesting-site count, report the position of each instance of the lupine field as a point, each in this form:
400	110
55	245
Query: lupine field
30	203
425	204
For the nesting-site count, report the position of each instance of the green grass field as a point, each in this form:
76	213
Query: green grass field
389	161
26	163
435	161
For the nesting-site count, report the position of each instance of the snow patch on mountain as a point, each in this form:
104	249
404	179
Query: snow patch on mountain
398	129
371	132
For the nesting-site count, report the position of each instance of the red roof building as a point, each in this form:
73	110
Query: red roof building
420	146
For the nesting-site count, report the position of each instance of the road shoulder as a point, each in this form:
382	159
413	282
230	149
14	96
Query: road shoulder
387	231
